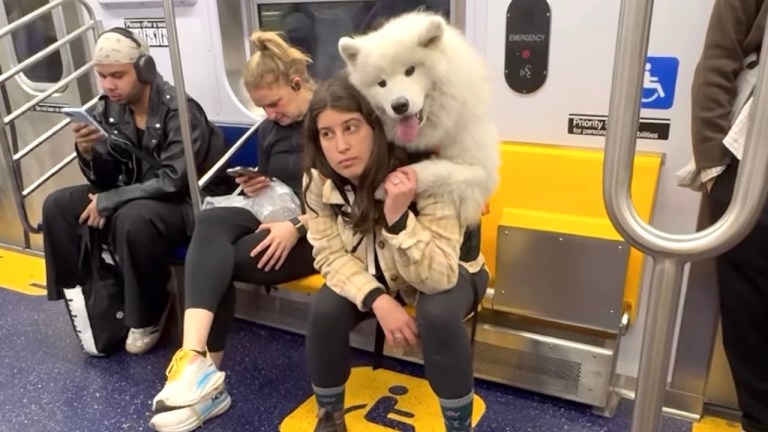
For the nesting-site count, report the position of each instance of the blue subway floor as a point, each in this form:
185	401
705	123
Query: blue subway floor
50	385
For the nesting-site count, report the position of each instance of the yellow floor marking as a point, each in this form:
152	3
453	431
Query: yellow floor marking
21	273
712	424
409	401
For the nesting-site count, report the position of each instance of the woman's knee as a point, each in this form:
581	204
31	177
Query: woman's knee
211	219
227	223
329	313
433	316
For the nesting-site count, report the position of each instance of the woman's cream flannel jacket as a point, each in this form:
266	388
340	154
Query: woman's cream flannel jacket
422	257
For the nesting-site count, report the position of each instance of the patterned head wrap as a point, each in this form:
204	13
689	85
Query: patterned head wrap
114	48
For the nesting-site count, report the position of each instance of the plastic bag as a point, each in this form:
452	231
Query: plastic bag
275	203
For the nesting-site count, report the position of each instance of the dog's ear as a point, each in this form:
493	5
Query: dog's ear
432	32
349	50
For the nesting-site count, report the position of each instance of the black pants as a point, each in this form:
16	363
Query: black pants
220	253
143	234
743	283
440	321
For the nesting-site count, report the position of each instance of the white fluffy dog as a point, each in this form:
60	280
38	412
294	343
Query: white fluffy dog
432	92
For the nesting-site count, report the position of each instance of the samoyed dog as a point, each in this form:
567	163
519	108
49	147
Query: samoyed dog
431	90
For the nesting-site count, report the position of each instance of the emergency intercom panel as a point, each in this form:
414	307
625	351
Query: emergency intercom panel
526	58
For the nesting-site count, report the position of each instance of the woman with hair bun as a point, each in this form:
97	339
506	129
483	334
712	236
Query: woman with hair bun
229	243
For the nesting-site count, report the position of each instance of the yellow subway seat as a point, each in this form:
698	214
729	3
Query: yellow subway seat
312	284
309	284
560	189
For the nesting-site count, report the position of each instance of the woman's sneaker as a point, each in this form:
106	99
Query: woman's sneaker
192	417
190	377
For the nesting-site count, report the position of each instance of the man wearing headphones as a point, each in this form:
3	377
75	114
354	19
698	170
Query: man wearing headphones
138	193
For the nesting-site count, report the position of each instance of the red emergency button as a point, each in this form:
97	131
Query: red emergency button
526	54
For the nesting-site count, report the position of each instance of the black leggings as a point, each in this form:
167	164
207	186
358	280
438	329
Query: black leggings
220	253
440	321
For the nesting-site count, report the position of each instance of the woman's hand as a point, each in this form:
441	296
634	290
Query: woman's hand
399	327
278	244
252	185
400	186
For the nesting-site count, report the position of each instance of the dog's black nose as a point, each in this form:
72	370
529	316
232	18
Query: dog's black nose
400	105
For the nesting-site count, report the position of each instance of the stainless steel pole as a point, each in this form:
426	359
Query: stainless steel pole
670	252
181	96
656	350
621	137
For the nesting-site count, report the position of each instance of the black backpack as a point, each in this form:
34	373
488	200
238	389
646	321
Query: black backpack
96	306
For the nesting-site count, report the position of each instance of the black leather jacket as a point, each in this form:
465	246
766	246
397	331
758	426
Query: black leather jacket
123	176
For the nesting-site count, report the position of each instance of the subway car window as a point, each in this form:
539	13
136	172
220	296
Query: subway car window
316	27
34	37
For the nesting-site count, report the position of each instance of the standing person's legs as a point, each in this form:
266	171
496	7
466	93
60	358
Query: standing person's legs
742	275
448	359
144	234
61	213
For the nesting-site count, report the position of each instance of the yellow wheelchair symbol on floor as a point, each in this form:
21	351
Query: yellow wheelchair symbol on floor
382	400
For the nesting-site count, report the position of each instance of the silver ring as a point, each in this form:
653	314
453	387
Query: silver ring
398	336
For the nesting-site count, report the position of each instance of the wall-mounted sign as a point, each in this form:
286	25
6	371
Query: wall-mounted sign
50	107
659	82
597	125
151	30
526	57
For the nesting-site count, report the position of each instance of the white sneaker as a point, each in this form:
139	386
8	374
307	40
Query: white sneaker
190	377
192	417
144	339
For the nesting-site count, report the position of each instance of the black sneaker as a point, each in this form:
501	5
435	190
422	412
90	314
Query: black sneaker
329	421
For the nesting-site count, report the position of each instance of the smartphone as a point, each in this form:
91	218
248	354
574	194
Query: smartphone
244	171
80	115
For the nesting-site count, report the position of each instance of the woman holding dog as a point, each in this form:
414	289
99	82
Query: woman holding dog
376	256
229	243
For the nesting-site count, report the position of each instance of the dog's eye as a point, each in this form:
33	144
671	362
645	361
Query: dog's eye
382	83
410	71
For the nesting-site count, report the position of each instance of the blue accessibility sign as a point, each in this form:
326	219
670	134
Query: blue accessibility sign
659	82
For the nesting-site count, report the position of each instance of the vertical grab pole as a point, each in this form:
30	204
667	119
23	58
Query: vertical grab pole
670	252
181	96
631	51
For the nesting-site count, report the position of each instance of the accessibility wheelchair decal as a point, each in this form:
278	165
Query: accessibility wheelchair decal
382	400
659	82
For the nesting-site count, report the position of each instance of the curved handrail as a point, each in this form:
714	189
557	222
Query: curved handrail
623	116
670	252
10	160
216	168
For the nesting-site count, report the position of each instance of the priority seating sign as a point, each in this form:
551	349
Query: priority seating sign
382	401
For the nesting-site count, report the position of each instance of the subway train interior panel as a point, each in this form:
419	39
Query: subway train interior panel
598	317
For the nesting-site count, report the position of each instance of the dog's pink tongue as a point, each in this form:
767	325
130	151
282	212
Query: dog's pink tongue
407	128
